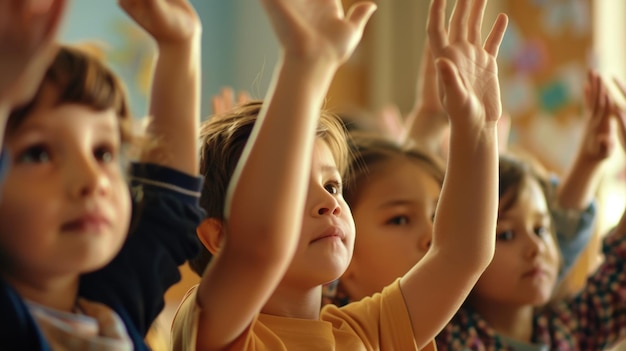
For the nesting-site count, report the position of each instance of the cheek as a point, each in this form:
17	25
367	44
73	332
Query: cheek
121	202
498	271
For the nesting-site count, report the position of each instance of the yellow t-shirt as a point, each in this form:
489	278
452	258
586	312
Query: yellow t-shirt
380	322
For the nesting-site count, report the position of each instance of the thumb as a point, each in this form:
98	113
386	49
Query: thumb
451	82
360	13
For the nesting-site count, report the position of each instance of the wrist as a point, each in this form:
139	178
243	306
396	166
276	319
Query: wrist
314	69
187	44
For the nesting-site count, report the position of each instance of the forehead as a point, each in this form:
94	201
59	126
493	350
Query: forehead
67	116
398	179
530	200
323	155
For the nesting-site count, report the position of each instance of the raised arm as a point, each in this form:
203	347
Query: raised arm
465	222
265	201
620	115
427	122
578	188
27	46
175	97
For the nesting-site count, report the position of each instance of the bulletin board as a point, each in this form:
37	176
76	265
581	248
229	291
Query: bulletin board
543	65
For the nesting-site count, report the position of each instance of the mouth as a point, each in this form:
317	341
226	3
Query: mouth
332	233
535	272
89	223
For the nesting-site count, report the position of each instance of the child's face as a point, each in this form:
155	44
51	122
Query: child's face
65	205
327	237
393	216
525	265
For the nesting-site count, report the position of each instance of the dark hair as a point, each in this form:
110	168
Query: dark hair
223	138
369	149
513	173
81	78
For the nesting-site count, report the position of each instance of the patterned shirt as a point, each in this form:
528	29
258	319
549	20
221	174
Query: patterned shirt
594	319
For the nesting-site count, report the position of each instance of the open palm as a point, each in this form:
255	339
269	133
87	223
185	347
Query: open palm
468	69
166	20
305	27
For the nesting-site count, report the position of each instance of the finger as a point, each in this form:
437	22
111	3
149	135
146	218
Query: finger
476	21
217	105
360	13
494	39
56	12
620	86
458	21
605	112
228	98
436	28
243	97
39	6
593	92
453	86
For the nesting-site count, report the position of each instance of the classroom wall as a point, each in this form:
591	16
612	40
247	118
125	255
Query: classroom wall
238	47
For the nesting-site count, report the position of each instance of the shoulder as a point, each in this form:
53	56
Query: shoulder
185	323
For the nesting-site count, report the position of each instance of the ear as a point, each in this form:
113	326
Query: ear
210	233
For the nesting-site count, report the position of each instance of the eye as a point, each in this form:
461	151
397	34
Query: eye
399	220
333	187
506	235
542	231
104	153
34	154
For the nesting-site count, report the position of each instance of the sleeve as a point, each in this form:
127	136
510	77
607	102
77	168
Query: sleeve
573	230
185	323
18	330
381	321
5	163
598	313
162	236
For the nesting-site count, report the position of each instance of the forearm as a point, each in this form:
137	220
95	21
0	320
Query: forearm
469	199
175	107
272	175
578	188
5	111
426	130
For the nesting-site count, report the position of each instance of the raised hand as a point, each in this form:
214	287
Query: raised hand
428	107
225	100
468	72
27	32
318	28
167	21
597	142
427	123
620	112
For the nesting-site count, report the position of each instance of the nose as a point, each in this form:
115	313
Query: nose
534	244
85	175
425	238
326	204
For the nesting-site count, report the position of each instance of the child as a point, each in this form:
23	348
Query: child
72	278
572	207
393	195
505	310
286	229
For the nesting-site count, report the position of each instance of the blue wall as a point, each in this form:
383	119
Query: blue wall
238	46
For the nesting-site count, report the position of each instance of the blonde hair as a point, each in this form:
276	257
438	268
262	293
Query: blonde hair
223	138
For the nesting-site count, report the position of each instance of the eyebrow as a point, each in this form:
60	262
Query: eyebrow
328	168
401	202
536	215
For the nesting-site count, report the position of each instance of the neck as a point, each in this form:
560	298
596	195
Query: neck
287	301
59	293
513	321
